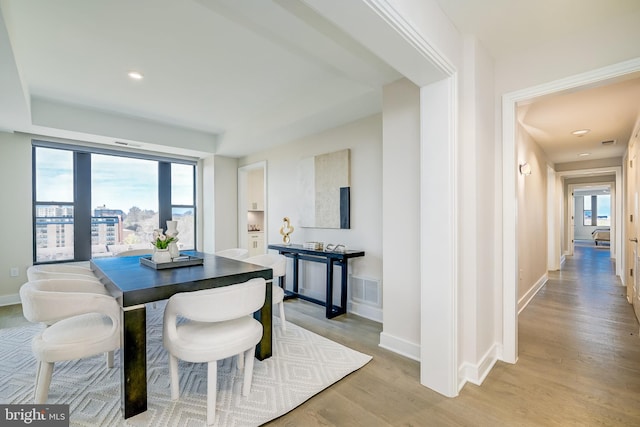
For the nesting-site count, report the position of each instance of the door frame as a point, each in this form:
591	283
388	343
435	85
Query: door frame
510	189
616	216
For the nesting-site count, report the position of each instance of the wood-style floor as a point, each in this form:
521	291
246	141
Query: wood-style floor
579	364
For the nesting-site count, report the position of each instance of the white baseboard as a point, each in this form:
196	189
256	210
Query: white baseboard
476	374
526	298
563	258
9	299
400	346
366	311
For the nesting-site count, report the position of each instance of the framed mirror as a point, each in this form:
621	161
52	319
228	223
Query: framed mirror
325	190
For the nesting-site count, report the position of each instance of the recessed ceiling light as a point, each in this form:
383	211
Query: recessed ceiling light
584	154
581	132
135	75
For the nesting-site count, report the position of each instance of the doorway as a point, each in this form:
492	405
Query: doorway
252	208
591	220
510	266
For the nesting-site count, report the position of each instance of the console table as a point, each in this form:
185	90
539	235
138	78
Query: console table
297	253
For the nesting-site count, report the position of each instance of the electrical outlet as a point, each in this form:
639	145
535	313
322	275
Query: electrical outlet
14	272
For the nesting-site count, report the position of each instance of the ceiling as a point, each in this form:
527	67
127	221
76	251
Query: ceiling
609	111
245	76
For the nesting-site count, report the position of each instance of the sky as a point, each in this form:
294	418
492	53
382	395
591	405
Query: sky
117	182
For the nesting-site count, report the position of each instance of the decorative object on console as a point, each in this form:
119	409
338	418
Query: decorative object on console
339	248
161	256
314	246
172	232
286	230
161	244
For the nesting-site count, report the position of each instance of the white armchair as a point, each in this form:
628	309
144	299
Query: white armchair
278	263
219	325
233	253
59	271
82	324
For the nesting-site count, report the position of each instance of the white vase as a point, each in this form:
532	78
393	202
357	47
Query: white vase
174	250
161	255
172	228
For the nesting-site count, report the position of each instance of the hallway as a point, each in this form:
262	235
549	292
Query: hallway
579	351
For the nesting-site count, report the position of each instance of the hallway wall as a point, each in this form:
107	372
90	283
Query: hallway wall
532	216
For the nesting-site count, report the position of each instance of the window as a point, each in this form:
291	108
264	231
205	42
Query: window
53	210
597	210
183	202
586	209
603	206
94	203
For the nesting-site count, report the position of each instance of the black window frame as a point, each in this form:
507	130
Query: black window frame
82	193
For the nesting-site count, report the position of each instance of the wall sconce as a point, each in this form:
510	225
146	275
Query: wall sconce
525	169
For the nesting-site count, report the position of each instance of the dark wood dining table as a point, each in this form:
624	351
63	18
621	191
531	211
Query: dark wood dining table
133	285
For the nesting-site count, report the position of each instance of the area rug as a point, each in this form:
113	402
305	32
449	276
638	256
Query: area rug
303	364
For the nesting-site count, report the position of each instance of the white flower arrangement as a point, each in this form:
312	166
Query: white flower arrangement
160	240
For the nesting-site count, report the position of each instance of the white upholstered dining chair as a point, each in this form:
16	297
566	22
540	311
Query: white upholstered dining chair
219	324
234	253
82	322
59	271
278	263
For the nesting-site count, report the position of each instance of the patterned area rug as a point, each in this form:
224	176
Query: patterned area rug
302	365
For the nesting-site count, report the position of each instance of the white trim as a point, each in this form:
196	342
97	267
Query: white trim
364	310
509	194
526	298
11	299
477	373
396	21
554	240
617	225
400	346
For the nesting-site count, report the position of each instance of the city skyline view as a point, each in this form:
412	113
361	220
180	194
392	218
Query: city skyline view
124	195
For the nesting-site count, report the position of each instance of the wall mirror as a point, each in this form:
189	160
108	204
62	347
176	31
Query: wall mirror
325	190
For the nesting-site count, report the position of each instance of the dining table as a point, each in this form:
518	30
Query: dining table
135	282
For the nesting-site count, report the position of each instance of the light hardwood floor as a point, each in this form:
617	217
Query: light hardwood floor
579	364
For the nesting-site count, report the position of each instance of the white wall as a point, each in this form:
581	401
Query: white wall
479	337
401	209
15	193
218	202
226	202
364	139
532	216
594	47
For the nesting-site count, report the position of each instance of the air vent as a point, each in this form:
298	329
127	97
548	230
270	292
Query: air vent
366	291
609	142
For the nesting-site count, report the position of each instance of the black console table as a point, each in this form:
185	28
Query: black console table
297	253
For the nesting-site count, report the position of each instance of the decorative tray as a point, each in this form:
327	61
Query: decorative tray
181	261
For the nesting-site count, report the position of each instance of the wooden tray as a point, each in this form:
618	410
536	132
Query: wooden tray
188	261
